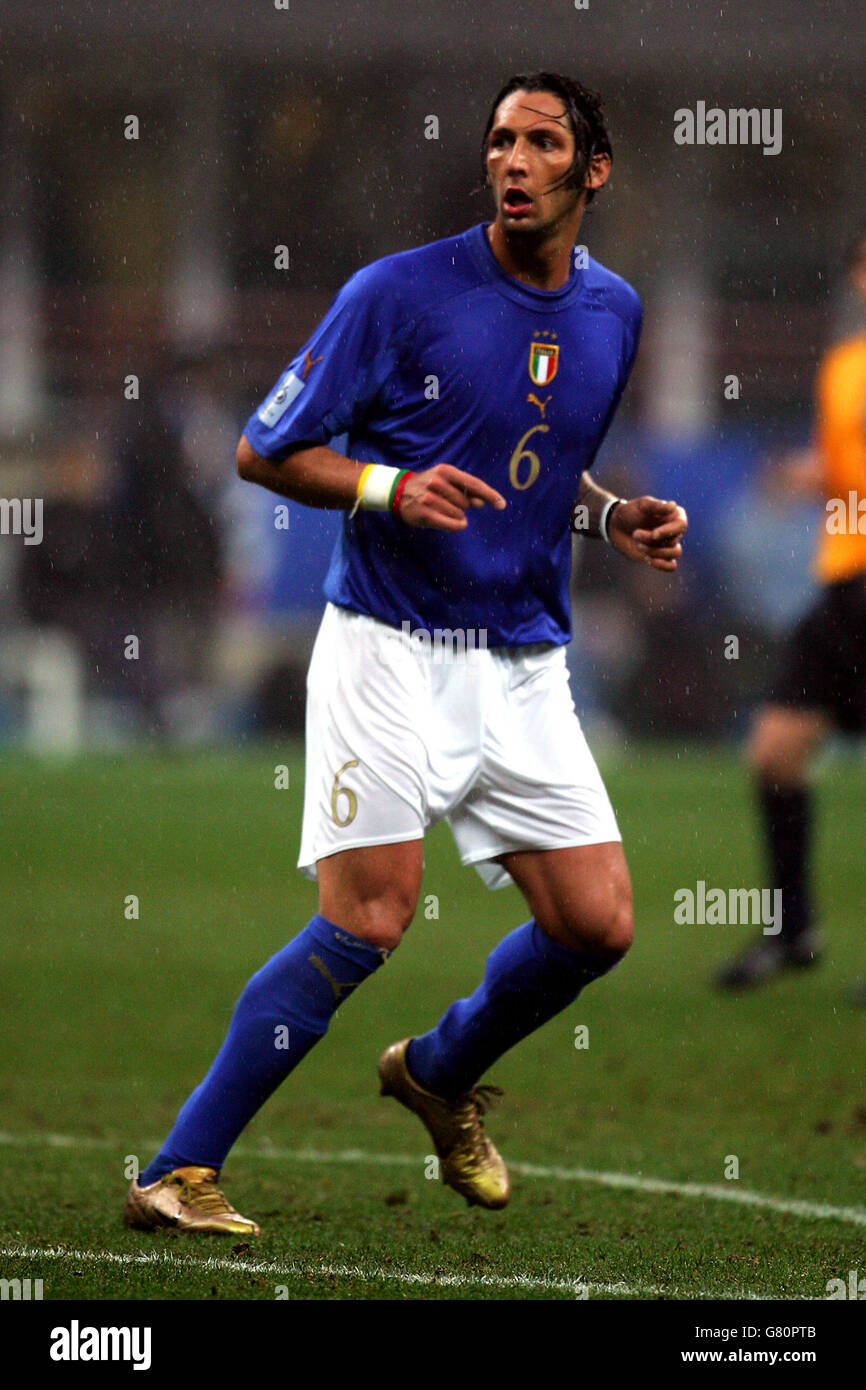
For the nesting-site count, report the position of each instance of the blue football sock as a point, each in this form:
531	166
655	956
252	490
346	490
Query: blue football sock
284	1009
529	978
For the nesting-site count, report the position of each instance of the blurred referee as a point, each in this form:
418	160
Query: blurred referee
820	681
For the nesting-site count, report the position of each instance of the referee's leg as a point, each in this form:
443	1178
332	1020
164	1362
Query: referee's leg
784	741
783	744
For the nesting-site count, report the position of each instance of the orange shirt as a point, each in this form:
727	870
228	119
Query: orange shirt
841	552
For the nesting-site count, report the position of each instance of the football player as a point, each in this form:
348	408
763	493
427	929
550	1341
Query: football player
473	381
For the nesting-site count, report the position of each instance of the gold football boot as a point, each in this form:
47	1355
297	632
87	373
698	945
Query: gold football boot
186	1199
470	1163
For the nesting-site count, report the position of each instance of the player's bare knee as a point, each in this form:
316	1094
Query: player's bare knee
603	931
764	758
382	918
621	934
777	764
783	744
612	933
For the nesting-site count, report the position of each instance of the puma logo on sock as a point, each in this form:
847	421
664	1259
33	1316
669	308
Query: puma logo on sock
340	990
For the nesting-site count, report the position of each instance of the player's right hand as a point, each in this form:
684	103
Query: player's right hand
441	496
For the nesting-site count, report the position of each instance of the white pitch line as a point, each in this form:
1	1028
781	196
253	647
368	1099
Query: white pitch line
813	1211
375	1273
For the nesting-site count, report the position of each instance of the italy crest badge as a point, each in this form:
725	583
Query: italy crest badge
543	361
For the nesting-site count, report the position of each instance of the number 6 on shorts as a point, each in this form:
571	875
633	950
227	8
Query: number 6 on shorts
337	791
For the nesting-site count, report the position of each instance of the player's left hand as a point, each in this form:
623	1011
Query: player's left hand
649	530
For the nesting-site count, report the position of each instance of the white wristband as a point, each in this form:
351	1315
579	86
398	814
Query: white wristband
377	483
605	515
375	488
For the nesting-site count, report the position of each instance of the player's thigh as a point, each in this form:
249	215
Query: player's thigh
784	740
540	788
365	795
580	895
372	891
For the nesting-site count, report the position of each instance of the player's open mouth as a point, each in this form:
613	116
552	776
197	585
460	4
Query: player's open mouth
516	201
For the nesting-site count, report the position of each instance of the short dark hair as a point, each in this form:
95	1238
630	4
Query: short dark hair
585	116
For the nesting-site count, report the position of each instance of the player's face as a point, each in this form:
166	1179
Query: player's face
529	150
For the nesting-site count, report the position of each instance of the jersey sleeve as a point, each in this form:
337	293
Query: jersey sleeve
633	322
337	374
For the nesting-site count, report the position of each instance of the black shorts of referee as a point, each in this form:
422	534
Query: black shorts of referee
822	664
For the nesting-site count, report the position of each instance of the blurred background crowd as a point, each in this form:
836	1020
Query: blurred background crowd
153	258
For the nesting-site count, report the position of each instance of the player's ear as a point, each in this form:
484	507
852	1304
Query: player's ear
599	171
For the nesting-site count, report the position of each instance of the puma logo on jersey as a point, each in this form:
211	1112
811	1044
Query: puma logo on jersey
542	405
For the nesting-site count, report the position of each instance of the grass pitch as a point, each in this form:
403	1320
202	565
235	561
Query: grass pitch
619	1151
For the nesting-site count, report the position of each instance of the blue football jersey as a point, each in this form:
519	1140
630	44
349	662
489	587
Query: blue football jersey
436	355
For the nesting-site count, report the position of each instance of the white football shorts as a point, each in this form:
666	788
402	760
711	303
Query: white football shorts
405	729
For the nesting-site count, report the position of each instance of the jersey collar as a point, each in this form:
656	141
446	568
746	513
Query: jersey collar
546	300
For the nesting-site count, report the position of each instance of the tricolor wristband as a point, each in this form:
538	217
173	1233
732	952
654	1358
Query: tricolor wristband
380	488
606	512
399	488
